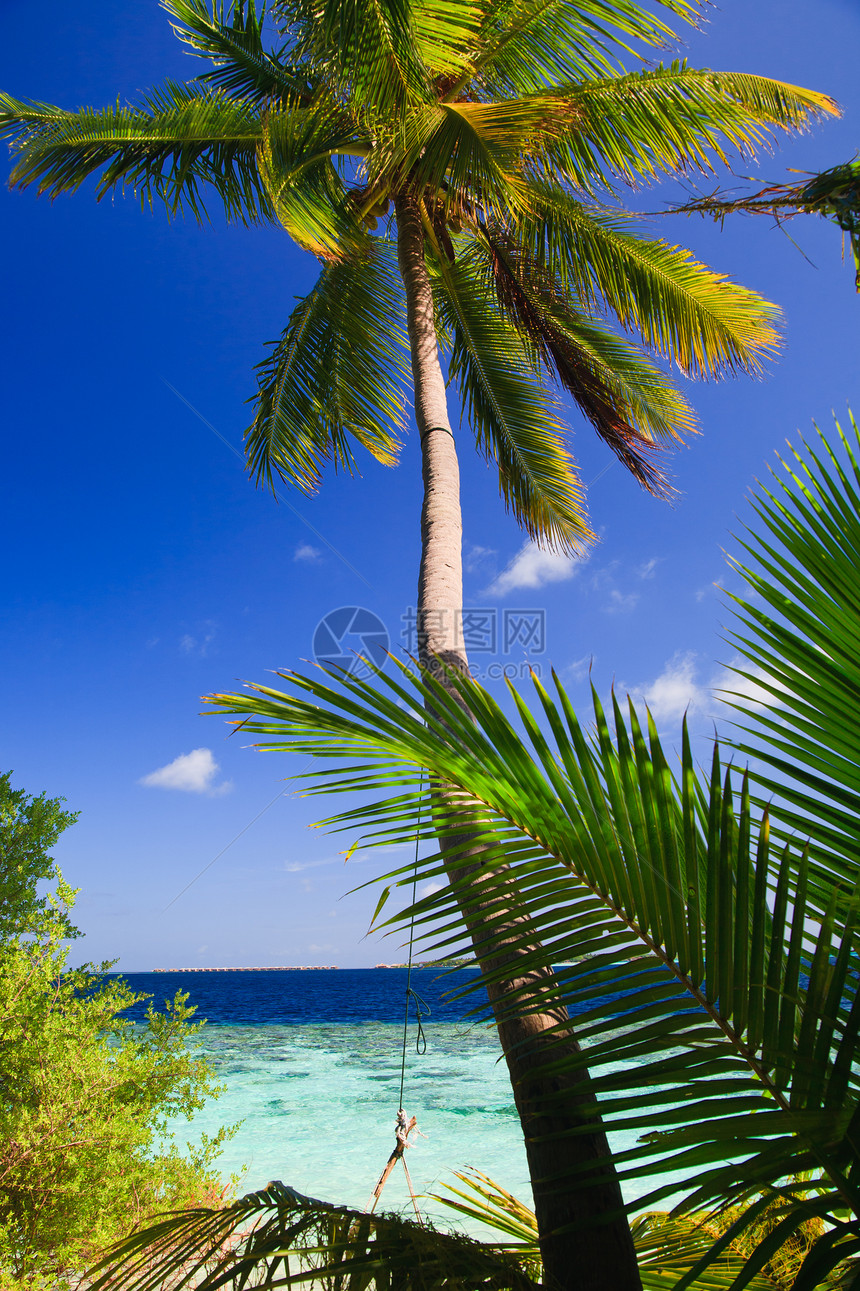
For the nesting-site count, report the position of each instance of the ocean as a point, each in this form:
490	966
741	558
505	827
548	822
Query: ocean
311	1061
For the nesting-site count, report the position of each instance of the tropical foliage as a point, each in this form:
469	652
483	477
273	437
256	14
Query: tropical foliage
833	194
726	943
513	127
276	1237
286	1238
666	1245
87	1097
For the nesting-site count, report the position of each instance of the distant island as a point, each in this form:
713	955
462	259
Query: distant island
460	962
261	968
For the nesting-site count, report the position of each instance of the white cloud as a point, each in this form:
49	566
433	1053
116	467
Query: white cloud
647	570
305	552
429	889
728	684
678	689
476	558
296	867
532	567
192	772
187	643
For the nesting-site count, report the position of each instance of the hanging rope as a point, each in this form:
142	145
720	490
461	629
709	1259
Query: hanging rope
403	1125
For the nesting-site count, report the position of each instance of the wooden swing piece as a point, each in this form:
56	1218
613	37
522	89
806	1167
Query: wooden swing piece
403	1127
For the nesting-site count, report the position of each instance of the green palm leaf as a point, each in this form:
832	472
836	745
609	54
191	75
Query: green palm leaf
683	310
178	143
364	47
337	374
306	190
629	402
672	118
511	414
278	1238
243	68
801	640
529	44
656	891
667	1246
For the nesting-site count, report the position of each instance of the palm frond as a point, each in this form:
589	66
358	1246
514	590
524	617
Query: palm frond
833	194
278	1238
364	48
470	154
674	118
182	140
667	1246
511	414
800	637
699	320
306	191
529	44
629	402
664	894
244	69
336	375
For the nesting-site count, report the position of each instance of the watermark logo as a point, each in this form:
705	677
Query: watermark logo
486	630
349	637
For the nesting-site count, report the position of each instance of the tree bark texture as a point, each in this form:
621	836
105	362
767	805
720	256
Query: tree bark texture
600	1255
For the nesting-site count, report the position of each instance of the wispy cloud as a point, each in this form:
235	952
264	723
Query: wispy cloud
709	589
621	603
579	669
192	772
198	645
307	554
296	867
649	567
477	558
532	567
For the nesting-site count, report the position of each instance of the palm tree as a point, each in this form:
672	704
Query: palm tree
719	911
497	131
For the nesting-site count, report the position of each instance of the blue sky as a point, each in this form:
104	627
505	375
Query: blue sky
143	570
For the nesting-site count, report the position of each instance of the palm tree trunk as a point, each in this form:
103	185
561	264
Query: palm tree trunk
561	1138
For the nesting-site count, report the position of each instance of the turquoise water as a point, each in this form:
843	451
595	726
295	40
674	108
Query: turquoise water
311	1065
318	1104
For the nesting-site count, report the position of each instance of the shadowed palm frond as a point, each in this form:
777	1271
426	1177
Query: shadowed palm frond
337	374
278	1238
705	324
530	44
667	1246
629	402
512	415
243	68
798	692
730	1039
179	142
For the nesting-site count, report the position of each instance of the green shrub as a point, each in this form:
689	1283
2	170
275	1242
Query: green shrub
86	1096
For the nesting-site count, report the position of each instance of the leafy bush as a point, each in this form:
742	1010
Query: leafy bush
86	1096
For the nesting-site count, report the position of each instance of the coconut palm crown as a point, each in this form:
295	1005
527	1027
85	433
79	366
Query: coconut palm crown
501	129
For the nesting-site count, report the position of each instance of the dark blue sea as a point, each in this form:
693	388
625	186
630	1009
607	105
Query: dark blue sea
291	997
